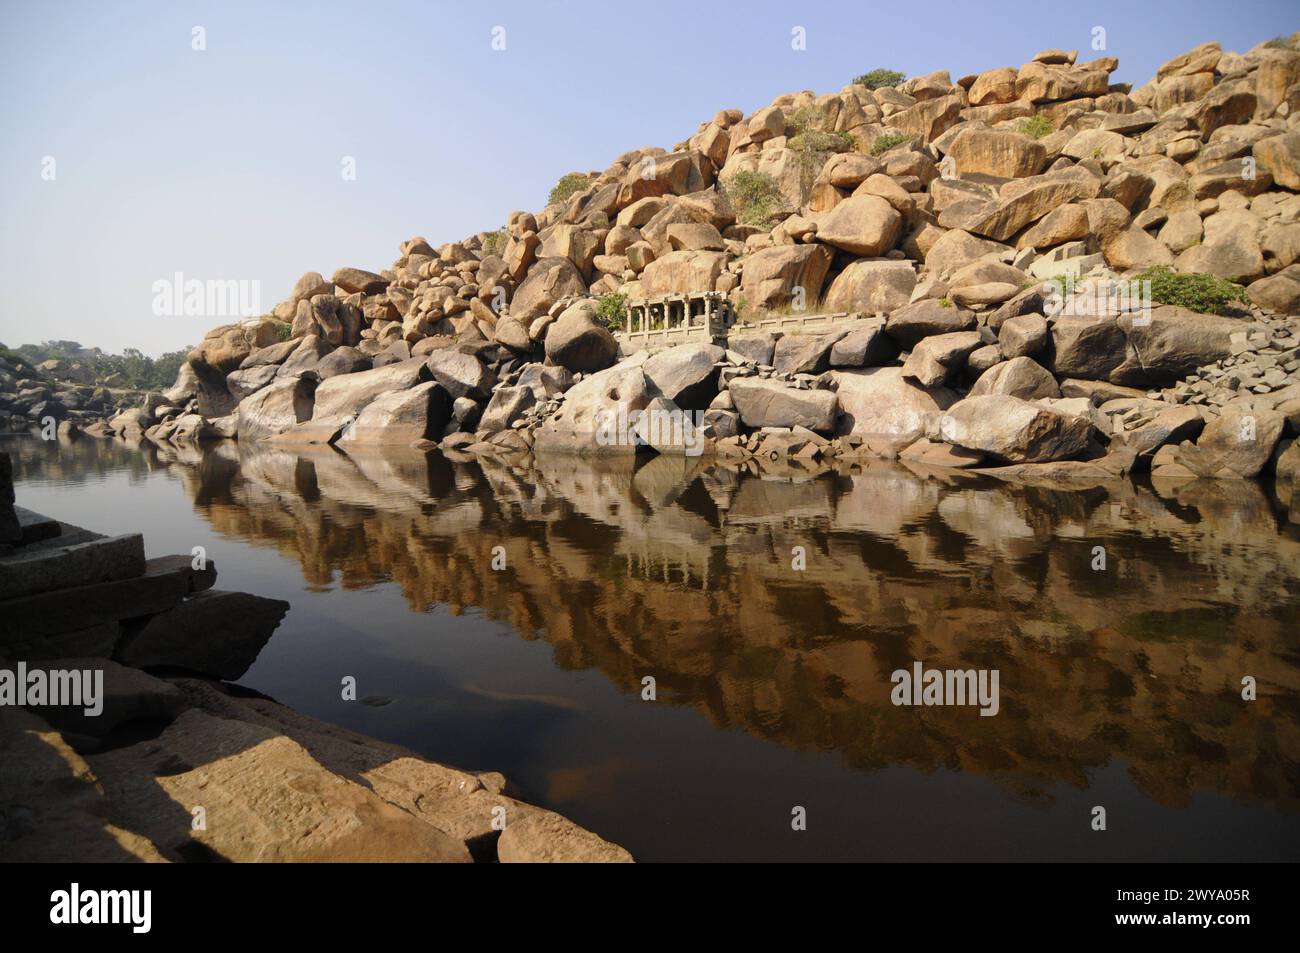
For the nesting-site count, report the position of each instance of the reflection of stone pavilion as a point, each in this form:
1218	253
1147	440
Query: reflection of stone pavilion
670	319
682	567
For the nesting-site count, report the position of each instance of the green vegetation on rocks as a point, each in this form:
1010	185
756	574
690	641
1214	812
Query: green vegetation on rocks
568	186
1037	126
754	196
1196	291
612	311
879	78
814	146
887	141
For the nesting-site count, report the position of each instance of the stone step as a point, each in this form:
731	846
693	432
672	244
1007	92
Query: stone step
215	633
74	558
35	527
163	584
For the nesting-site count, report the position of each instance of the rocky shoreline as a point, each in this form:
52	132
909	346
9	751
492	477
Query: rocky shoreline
173	736
942	273
1033	274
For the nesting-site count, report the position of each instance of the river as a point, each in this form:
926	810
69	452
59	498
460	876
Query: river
506	615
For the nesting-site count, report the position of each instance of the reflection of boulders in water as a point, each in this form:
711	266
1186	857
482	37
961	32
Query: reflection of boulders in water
623	569
65	590
115	779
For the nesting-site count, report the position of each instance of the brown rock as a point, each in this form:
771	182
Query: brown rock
865	225
549	280
1020	377
1013	430
354	280
871	286
770	276
998	152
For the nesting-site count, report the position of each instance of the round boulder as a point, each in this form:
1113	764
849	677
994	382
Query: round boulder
576	340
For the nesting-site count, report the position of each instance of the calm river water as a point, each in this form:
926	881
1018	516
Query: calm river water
1119	687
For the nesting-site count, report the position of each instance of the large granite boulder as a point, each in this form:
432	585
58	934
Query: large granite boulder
596	416
543	837
276	800
276	408
758	348
306	357
577	341
1021	377
871	286
249	380
1012	430
866	345
507	405
805	353
770	403
680	272
340	399
353	280
687	374
1173	425
1086	347
770	276
461	374
400	417
1239	443
880	405
343	360
549	280
938	357
864	225
213	633
1164	347
910	324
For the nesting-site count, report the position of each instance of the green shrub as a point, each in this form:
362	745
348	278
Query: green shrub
945	302
568	186
888	141
815	140
284	330
494	243
1195	291
808	138
1278	43
813	147
754	197
1037	126
612	311
878	78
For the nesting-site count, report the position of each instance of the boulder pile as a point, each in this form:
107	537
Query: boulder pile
972	231
31	394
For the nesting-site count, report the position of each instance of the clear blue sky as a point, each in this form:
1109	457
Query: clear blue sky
225	164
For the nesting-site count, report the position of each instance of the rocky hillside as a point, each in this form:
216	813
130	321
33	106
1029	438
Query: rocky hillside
941	219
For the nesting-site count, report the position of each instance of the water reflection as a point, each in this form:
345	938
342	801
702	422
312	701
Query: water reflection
684	570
